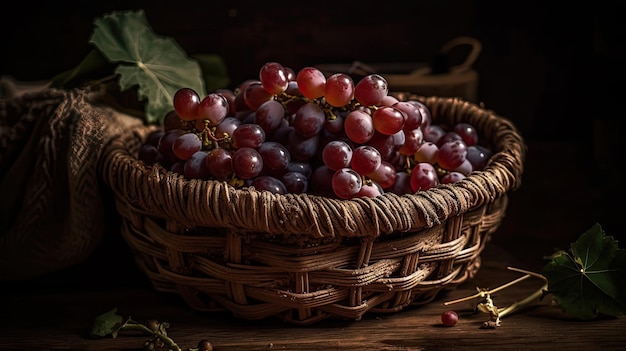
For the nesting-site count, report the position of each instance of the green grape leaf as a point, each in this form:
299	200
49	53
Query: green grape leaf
155	64
589	280
107	323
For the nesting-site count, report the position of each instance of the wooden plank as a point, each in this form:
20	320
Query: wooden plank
62	319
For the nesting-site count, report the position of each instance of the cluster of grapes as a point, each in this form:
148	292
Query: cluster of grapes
306	132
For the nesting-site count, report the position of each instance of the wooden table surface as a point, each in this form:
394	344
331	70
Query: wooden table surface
59	316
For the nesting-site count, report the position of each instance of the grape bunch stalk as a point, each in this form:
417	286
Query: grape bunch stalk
307	132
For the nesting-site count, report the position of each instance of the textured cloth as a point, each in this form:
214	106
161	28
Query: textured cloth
51	205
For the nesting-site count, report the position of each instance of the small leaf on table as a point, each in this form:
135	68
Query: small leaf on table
107	323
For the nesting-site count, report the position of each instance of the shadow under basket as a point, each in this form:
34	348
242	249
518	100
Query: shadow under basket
305	258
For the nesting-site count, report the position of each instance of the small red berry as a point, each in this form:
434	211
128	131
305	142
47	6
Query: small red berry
449	318
204	345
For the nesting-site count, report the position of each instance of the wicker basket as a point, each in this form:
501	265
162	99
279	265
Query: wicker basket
305	258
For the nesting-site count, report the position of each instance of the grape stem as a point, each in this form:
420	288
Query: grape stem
208	133
495	314
157	332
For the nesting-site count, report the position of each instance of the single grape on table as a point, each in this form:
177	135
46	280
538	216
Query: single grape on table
449	318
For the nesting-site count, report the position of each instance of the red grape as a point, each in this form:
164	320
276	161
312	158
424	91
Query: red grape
346	183
300	167
186	145
311	82
186	102
219	162
166	142
295	182
448	136
269	115
402	184
230	96
248	135
370	190
452	154
300	148
467	132
388	120
320	181
385	175
204	345
149	154
290	73
275	156
255	95
173	121
195	167
413	114
337	154
423	177
339	90
273	76
365	159
432	133
309	120
359	126
371	90
412	141
465	168
452	177
227	127
478	156
269	183
247	163
449	318
426	152
383	143
334	125
214	108
425	112
388	100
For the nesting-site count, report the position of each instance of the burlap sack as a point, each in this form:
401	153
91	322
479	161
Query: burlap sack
51	207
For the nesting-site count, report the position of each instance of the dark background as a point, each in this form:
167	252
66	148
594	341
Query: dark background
555	70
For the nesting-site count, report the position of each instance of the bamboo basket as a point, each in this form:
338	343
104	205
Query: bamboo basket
305	258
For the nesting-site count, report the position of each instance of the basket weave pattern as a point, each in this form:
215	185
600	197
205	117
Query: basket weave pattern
306	258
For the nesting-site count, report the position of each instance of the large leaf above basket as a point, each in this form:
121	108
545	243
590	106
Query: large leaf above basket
156	66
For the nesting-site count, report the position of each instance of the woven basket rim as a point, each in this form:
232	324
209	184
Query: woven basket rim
213	203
